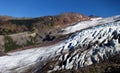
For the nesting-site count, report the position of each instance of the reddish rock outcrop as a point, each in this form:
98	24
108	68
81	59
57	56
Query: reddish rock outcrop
68	18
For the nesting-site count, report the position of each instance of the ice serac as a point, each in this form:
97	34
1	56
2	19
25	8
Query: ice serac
86	47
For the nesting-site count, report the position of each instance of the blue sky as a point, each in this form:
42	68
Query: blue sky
36	8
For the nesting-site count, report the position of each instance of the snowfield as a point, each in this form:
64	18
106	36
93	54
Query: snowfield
88	46
90	23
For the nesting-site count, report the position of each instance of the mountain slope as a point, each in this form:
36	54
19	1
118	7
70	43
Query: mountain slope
83	48
35	31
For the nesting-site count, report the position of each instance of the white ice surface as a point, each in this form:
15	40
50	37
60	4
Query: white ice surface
90	23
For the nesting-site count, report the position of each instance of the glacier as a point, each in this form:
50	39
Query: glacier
94	41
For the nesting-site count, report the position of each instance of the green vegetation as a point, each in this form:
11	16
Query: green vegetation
10	44
27	23
12	26
31	41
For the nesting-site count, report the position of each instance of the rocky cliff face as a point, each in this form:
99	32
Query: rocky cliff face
84	48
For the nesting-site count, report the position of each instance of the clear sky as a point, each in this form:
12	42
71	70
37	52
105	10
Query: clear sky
36	8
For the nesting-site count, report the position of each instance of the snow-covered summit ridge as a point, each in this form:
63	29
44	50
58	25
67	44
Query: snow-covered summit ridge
83	48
